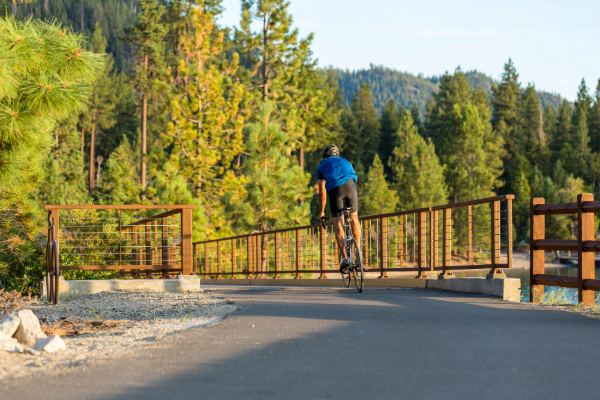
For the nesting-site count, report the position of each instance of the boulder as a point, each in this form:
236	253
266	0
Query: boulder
8	344
9	324
52	344
29	328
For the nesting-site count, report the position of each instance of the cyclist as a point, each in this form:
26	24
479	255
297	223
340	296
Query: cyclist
337	180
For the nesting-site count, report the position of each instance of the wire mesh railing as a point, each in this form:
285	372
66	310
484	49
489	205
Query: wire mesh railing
469	235
127	239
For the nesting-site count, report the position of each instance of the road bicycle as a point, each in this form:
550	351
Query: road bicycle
356	267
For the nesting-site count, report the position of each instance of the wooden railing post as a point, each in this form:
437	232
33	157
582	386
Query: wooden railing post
433	232
537	231
206	255
383	247
400	230
509	244
148	235
322	249
298	253
164	250
277	255
422	237
250	254
365	250
136	252
186	241
234	258
447	243
586	265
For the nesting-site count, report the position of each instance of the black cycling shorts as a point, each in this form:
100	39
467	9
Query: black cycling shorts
346	192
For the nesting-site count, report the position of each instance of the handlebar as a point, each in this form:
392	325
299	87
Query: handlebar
323	220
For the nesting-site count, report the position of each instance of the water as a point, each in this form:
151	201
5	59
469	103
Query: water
523	275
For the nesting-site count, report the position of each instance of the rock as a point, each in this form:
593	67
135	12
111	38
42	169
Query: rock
9	324
8	344
29	328
31	351
50	345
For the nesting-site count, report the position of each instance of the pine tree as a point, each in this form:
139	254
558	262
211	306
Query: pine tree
147	37
532	134
506	98
417	174
362	130
594	121
416	116
34	97
376	196
580	135
205	129
101	114
562	138
119	183
275	183
389	122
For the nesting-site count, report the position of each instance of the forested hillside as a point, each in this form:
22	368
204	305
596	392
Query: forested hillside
407	89
182	110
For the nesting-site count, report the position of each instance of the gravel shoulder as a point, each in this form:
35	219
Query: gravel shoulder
147	317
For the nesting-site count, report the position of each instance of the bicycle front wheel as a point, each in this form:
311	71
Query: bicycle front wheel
357	266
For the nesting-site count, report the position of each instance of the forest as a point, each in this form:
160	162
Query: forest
175	109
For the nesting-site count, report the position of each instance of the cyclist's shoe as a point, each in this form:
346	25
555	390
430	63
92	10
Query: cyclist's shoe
344	264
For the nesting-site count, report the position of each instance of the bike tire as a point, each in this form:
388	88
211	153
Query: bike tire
357	267
346	278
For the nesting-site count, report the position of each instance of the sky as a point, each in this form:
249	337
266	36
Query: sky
553	44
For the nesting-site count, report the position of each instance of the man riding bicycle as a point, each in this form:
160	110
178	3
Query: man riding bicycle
337	180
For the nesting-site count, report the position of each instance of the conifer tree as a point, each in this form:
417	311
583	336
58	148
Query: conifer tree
389	122
101	114
46	78
506	98
148	37
119	183
532	134
376	196
594	121
206	124
362	130
416	116
417	174
275	183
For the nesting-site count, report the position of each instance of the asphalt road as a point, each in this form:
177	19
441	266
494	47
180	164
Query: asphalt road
339	344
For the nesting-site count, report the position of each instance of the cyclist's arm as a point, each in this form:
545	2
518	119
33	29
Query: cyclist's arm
322	197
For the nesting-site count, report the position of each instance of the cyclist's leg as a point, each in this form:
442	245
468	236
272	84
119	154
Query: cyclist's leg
352	200
340	235
356	228
336	205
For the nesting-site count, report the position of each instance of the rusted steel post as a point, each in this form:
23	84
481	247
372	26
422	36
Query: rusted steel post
136	253
400	234
422	238
234	258
365	250
148	232
585	231
447	242
165	248
495	236
206	255
383	248
186	241
250	247
219	261
470	250
298	253
509	244
537	231
277	255
322	249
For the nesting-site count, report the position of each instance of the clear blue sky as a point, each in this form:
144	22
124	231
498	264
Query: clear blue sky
552	43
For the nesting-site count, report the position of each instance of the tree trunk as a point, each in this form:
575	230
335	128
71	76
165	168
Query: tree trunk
81	16
144	128
14	7
82	166
265	61
93	158
301	156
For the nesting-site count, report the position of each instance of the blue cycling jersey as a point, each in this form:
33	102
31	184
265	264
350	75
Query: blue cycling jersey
335	171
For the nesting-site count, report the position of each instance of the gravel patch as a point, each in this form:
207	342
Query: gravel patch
150	316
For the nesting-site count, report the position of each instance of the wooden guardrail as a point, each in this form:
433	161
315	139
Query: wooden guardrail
469	235
586	246
100	237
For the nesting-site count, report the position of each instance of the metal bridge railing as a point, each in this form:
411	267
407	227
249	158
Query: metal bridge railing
469	235
120	238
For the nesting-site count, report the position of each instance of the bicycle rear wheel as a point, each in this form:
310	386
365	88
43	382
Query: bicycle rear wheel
346	278
357	267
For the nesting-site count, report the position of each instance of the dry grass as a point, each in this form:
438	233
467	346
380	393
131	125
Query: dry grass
74	327
10	301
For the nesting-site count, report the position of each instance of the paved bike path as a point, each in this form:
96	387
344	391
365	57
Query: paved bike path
338	344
